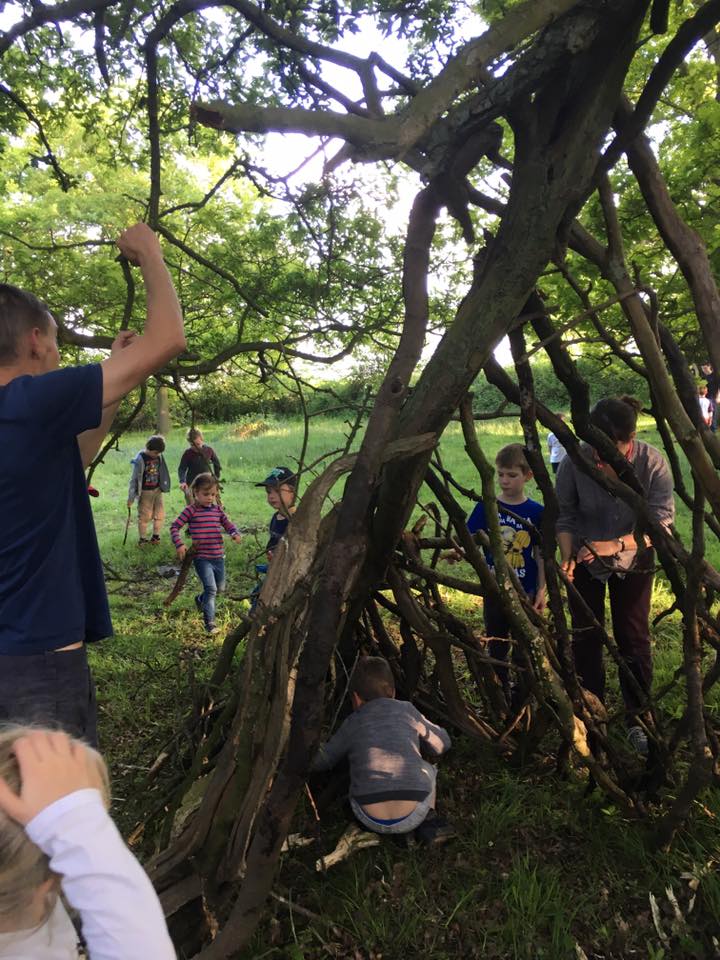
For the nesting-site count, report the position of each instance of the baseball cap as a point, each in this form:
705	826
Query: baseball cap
278	476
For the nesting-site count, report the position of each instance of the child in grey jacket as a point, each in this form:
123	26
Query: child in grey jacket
149	481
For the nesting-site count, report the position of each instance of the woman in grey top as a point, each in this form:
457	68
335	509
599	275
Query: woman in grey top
595	524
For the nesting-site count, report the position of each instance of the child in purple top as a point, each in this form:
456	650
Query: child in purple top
206	522
198	458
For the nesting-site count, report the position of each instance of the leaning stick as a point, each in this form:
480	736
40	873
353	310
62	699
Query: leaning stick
181	577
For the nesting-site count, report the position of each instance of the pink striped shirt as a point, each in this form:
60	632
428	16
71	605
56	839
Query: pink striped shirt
206	525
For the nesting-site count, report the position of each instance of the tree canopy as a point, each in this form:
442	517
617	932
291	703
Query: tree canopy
561	155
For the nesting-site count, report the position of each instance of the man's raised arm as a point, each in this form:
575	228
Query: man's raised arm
163	337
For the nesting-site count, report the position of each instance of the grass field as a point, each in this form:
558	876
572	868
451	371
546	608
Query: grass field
538	870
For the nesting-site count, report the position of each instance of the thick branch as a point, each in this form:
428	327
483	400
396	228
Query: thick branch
688	35
380	135
682	241
43	14
466	67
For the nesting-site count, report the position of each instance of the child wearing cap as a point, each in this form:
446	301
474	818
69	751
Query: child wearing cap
281	488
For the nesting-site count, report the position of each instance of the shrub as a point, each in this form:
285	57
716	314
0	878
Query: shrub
605	380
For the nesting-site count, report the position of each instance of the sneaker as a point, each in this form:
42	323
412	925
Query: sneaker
155	540
143	542
212	629
637	738
434	830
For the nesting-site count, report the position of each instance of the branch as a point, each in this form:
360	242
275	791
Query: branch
688	34
381	135
63	178
464	68
387	137
99	24
42	14
208	264
52	247
686	246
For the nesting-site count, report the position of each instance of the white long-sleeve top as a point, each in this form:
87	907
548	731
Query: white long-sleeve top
556	449
121	915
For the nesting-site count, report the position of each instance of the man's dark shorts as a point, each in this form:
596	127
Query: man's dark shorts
50	689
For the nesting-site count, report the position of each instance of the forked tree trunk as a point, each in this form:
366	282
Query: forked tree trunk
230	847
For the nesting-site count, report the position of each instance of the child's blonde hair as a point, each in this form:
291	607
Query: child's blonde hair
23	866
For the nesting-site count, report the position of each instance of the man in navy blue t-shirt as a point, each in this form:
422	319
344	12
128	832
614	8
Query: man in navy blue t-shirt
52	421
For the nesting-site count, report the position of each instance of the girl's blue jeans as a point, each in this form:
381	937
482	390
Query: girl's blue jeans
211	574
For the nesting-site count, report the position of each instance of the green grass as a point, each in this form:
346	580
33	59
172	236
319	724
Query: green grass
537	868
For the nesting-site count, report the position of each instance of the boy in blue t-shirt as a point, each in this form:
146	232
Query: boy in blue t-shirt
522	549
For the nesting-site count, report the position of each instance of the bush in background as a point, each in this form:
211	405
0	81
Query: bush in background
606	380
228	399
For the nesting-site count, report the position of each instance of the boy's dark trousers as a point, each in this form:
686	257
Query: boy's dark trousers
53	689
498	629
630	609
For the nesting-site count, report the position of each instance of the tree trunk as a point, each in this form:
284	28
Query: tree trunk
162	411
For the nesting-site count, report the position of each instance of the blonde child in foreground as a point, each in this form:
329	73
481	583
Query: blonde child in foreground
55	833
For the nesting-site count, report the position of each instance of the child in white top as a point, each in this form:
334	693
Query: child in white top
705	404
556	450
55	833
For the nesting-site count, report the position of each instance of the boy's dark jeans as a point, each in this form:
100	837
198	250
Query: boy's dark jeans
498	629
630	609
53	689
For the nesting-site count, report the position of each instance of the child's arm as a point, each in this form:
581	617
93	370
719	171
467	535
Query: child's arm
333	751
475	522
175	528
135	481
62	811
121	915
183	468
433	738
230	527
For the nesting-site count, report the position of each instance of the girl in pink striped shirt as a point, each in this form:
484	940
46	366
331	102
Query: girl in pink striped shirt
206	521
